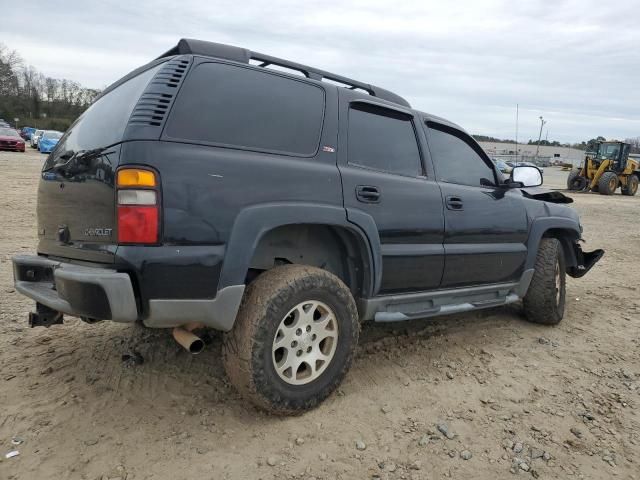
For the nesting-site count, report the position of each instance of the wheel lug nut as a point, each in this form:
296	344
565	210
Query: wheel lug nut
308	328
308	349
294	344
299	332
299	352
314	336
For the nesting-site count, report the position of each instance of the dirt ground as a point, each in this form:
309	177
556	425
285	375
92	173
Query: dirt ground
108	401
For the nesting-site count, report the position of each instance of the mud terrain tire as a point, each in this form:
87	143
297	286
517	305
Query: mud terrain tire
545	299
250	348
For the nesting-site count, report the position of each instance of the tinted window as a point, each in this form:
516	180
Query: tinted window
103	123
383	139
455	160
242	107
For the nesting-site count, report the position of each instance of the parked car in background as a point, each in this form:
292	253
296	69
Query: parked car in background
26	132
35	136
48	141
11	140
503	167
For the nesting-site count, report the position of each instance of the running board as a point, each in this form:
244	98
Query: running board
444	310
400	307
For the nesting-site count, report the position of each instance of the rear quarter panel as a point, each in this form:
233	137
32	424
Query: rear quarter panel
204	188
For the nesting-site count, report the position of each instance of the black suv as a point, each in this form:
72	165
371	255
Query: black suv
219	187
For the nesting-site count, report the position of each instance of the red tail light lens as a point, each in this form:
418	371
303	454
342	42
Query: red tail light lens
137	224
138	207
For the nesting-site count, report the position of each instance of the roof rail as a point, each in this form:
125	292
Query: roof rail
242	55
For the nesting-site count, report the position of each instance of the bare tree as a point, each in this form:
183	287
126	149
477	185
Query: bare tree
28	94
635	144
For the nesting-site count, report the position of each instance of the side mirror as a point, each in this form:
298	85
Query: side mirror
527	176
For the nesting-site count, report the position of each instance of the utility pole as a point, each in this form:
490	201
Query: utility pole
517	106
542	122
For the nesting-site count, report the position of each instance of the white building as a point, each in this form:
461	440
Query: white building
563	154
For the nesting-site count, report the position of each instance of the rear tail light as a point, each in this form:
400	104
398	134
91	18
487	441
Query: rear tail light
138	206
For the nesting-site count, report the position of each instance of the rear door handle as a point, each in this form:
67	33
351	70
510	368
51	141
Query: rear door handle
368	193
454	203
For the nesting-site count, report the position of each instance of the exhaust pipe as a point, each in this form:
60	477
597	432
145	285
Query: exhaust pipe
190	342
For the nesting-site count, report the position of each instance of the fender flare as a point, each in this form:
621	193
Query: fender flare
253	222
537	230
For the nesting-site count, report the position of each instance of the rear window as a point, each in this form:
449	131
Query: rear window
234	106
103	123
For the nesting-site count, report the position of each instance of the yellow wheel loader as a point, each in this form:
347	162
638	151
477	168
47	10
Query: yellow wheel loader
606	169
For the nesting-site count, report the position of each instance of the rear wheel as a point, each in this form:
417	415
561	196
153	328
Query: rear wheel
294	339
632	186
544	301
608	183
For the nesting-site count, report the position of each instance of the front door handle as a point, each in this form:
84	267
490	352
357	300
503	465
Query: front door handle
454	203
368	193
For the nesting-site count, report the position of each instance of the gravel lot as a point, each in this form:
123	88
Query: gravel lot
483	395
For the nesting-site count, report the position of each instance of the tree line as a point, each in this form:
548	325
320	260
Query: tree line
36	99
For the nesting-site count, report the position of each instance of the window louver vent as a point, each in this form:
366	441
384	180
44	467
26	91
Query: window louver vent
154	103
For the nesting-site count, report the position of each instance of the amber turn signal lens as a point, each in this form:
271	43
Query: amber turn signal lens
135	177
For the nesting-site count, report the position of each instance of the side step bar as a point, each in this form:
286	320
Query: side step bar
396	308
444	310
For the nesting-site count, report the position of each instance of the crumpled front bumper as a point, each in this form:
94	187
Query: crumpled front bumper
584	261
90	292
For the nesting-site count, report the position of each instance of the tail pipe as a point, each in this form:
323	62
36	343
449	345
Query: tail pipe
188	340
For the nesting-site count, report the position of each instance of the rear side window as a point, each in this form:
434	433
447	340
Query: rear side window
455	159
240	107
383	139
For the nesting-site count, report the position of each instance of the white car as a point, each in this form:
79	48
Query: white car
35	137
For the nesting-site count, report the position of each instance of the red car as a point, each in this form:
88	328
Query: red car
11	140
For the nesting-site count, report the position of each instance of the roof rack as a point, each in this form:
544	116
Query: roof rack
242	55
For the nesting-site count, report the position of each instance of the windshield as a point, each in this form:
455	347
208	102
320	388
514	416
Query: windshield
51	135
7	132
608	151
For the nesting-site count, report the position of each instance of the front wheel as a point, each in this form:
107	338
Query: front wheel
544	301
608	183
293	340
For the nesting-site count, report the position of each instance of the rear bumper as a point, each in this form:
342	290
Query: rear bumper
96	293
101	293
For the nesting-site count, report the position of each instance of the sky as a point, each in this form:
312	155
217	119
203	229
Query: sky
574	62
